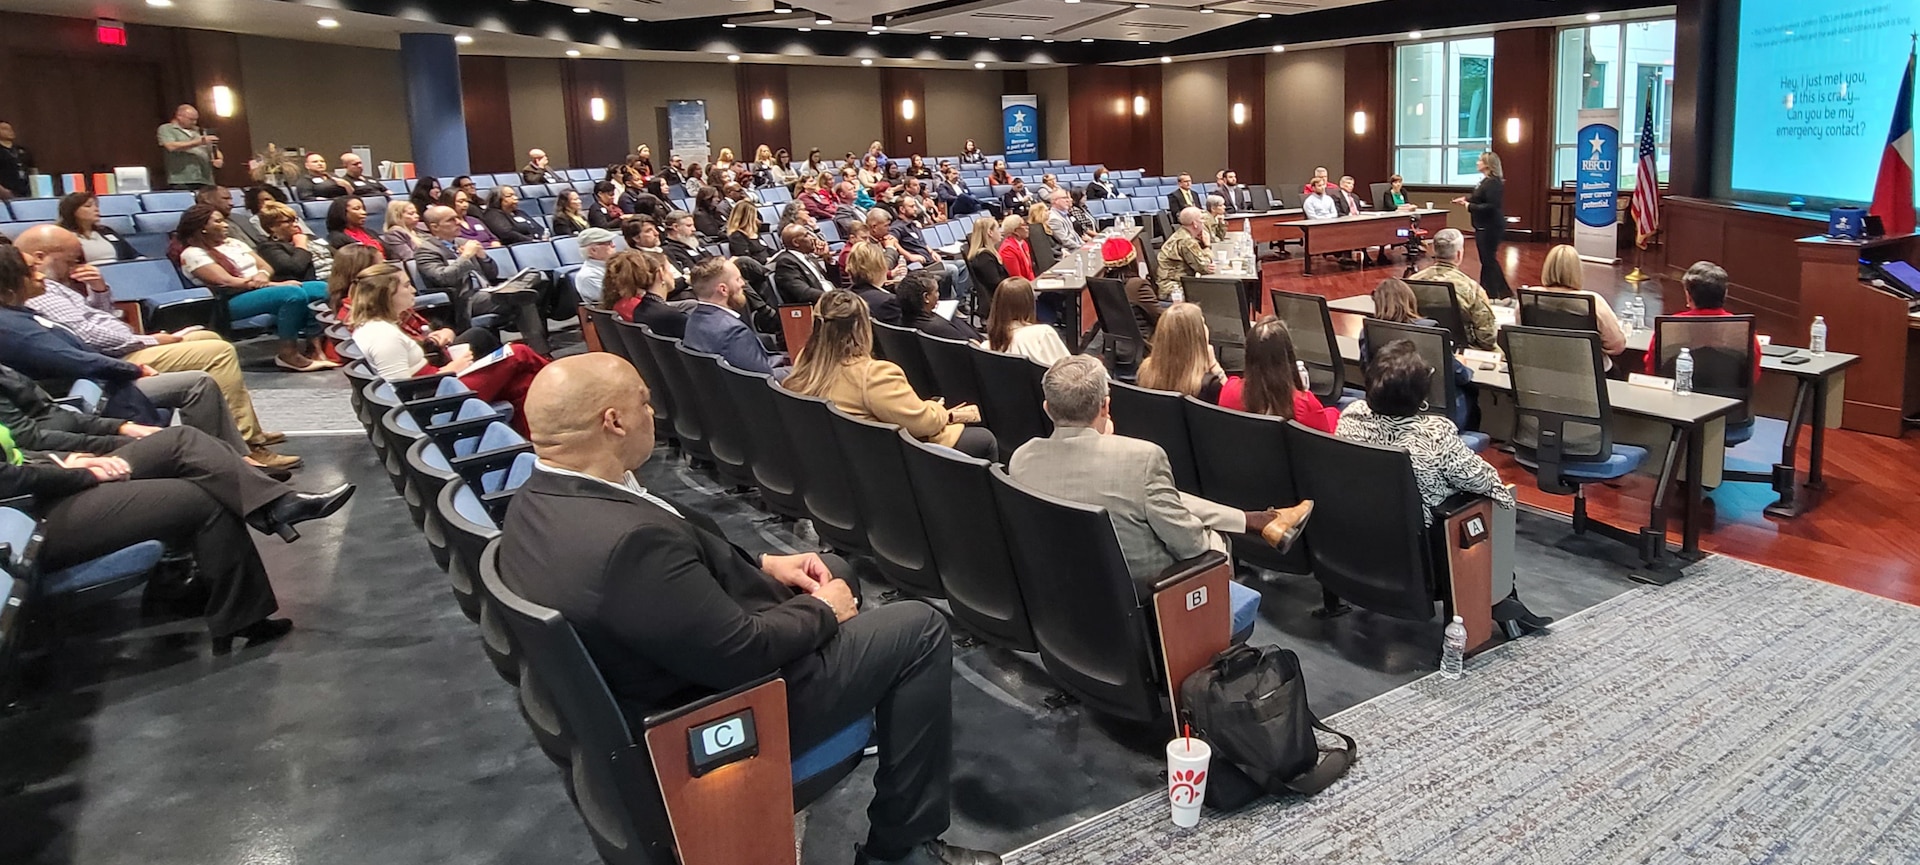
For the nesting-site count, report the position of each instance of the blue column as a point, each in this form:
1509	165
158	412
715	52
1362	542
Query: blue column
435	115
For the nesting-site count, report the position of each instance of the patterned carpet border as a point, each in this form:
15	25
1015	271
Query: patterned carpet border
1743	714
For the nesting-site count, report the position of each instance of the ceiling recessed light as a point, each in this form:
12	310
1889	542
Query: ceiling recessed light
573	52
806	29
978	65
1593	16
993	38
866	61
880	28
1165	59
1144	42
733	58
935	36
822	21
1264	15
1414	35
1086	38
728	24
1072	1
959	32
783	10
1028	37
1279	48
581	10
631	20
160	4
1141	6
1206	11
328	23
463	39
1047	41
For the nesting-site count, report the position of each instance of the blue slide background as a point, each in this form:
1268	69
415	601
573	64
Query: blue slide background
1814	94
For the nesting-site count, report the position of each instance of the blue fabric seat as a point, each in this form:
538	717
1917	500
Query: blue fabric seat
1479	441
1246	608
108	574
1625	459
838	748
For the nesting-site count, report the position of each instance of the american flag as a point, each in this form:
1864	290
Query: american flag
1646	183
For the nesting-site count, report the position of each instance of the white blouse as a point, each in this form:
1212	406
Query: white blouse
96	249
1039	343
193	258
392	354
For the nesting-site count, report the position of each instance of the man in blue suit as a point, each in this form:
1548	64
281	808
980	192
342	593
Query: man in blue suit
716	325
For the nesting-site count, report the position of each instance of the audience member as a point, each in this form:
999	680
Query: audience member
245	226
1394	301
1183	360
433	339
1561	272
782	173
642	159
870	171
917	168
1017	199
643	198
425	194
637	287
100	244
1157	525
797	273
1099	187
1320	174
1394	197
1016	254
1119	260
1184	254
847	209
680	243
970	154
816	195
568	218
1344	201
317	182
1706	286
1014	326
999	175
984	244
1397	383
16	163
285	260
1447	244
504	218
1060	229
866	267
191	153
742	231
237	274
1215	219
460	201
1318	204
717	325
918	294
596	247
1238	198
463	269
953	193
1184	197
538	170
1272	384
347	223
838	365
605	212
355	177
1082	218
400	231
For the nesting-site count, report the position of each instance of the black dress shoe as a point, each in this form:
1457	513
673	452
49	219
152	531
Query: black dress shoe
1516	619
934	852
263	631
280	517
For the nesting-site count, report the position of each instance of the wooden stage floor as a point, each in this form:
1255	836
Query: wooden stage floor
1864	533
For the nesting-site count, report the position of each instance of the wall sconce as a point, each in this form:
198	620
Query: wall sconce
222	101
906	109
1359	122
1139	105
766	108
1239	113
597	109
1513	130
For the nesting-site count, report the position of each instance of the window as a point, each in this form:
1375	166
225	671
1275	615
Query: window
1444	111
1615	66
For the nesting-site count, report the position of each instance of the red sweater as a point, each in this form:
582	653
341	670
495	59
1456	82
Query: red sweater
1306	407
1017	257
1653	348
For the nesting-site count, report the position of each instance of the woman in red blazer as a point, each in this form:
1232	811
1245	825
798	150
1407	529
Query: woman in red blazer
1016	254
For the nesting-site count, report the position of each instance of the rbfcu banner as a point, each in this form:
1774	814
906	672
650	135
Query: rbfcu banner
1020	121
687	130
1596	176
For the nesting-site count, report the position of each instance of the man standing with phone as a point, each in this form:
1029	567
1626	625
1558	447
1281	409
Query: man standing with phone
192	153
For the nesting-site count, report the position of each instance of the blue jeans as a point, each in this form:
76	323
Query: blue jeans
286	303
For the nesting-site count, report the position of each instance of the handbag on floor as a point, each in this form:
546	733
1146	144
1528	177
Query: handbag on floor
1250	705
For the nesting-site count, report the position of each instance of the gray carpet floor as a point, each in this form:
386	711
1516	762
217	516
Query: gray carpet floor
1742	714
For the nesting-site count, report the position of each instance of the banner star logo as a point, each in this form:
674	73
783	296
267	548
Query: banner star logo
1598	142
1019	116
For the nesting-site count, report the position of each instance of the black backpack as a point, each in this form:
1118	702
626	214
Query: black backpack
1250	705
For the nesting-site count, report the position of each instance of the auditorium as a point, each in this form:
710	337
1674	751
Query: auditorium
958	432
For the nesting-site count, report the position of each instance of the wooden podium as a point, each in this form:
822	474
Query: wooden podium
1863	320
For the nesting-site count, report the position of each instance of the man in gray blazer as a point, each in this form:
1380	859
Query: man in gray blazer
464	270
1156	524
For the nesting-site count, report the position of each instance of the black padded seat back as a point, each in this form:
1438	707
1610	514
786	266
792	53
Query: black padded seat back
822	471
769	448
1436	300
1558	383
1566	310
1722	350
1159	417
1310	322
1010	400
726	431
1116	316
659	390
604	328
951	362
1367	538
1090	626
870	452
1249	468
689	420
1435	347
902	346
1223	301
966	536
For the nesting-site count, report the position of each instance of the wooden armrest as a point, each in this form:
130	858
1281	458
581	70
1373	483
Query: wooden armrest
1193	617
739	812
132	314
1463	526
589	330
796	325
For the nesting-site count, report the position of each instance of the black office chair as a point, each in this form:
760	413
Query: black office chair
1435	300
1562	309
1223	300
969	545
1157	416
689	421
659	390
1310	323
1723	363
821	472
1261	197
1010	399
1436	348
726	433
901	345
1094	632
769	448
1126	342
1248	469
1563	423
602	321
612	770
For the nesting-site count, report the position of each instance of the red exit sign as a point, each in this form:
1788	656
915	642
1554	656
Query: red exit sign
107	31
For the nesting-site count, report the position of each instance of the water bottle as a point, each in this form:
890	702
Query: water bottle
1817	341
1683	372
1306	381
1453	652
1635	310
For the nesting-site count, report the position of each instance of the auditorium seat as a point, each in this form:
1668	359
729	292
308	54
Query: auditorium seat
471	514
632	339
1159	417
967	538
951	362
1125	343
689	424
1563	423
769	449
1258	475
888	509
726	434
50	595
1436	300
1010	399
166	304
35	209
431	466
822	473
901	345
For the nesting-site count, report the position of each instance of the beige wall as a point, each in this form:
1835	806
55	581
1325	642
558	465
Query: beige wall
1056	138
961	104
324	97
1193	97
650	85
834	108
539	113
1306	104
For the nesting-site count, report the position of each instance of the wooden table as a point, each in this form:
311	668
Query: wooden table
1359	231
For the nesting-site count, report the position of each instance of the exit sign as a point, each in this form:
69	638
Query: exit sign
107	31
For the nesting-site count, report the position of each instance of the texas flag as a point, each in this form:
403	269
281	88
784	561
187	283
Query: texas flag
1893	191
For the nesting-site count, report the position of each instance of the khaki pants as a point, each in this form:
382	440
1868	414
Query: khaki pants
207	352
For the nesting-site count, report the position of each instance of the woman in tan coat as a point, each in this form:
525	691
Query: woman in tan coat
838	365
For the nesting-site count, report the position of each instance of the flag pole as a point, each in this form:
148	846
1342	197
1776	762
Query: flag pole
1640	248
